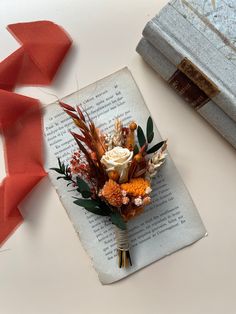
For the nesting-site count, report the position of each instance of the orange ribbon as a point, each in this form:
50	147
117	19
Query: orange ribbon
43	47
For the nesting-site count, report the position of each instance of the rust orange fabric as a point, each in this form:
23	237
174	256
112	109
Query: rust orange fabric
43	47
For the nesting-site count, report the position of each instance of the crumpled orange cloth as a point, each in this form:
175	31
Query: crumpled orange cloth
43	47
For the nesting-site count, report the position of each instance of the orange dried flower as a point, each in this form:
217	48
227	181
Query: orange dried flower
111	191
136	187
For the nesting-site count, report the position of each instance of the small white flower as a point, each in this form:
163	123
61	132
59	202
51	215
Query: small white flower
148	190
138	201
124	193
125	200
146	200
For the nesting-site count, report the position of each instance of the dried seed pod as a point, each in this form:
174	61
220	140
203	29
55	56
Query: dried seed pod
129	143
138	158
133	126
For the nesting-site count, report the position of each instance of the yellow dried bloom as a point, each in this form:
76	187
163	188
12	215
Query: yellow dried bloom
111	191
136	187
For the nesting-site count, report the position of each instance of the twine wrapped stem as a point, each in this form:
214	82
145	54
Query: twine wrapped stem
123	248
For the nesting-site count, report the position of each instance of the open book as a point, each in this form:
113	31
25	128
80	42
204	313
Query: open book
168	224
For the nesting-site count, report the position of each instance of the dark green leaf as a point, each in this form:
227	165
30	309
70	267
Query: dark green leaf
155	147
60	178
136	150
92	206
63	168
82	185
151	138
67	178
117	220
67	170
86	203
86	194
105	207
149	131
59	162
141	136
57	170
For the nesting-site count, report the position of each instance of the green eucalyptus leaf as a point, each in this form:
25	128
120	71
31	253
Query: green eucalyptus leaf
63	168
67	178
57	170
141	136
60	178
117	220
67	170
155	147
86	194
151	138
92	206
82	185
136	150
59	162
105	207
149	131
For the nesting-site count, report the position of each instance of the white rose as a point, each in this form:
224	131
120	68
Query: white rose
118	159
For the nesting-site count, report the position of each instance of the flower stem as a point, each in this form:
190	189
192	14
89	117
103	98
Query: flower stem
124	258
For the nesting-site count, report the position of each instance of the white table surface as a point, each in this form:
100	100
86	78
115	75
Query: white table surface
43	268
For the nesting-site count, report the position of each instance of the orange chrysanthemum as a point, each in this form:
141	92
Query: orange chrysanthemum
111	191
136	187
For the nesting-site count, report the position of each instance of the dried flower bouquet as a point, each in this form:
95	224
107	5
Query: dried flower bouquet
112	172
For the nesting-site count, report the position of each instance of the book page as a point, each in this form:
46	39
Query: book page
168	224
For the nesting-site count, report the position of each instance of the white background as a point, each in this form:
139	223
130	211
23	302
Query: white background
43	268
